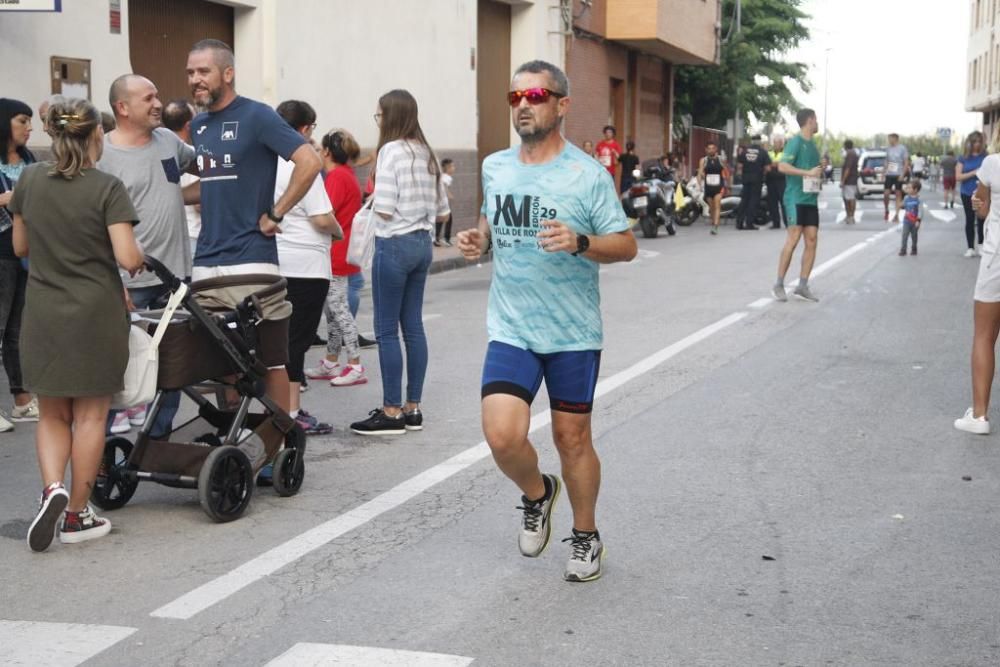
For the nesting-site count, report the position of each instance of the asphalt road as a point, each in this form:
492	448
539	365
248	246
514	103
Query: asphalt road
782	486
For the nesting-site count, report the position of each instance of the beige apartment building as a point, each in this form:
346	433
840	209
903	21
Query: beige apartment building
455	56
982	93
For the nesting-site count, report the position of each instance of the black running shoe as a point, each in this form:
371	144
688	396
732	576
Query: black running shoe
379	423
365	343
318	342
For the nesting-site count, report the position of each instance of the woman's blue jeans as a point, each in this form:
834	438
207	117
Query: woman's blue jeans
399	274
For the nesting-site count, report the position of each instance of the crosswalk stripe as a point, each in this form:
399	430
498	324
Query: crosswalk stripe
64	644
307	655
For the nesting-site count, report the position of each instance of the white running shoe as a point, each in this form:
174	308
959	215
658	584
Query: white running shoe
25	413
970	253
536	527
351	375
586	557
972	424
121	424
5	425
326	370
779	293
136	415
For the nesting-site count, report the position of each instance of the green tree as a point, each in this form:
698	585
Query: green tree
769	29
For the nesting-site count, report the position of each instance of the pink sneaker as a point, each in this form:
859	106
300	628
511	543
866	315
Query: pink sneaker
121	424
351	375
325	370
137	415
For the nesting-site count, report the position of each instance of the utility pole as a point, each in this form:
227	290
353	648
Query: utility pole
735	30
826	90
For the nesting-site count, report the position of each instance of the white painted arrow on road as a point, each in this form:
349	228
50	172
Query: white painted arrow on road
943	216
314	655
38	643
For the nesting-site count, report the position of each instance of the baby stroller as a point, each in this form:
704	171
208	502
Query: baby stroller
212	346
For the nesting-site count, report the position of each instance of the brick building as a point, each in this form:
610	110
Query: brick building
620	58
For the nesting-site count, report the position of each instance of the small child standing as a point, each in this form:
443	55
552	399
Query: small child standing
447	177
911	218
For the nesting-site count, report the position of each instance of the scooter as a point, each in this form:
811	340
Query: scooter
650	200
731	205
695	205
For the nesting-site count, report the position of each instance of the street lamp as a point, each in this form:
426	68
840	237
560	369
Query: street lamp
826	91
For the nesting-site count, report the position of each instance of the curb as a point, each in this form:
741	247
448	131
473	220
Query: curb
455	263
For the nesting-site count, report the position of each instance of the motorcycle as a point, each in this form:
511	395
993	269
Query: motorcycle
695	205
650	200
731	205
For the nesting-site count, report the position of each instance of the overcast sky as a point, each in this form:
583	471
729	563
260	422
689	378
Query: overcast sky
926	87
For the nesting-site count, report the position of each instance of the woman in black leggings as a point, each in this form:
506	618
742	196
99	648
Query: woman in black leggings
965	173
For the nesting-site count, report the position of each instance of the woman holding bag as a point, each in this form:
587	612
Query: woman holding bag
409	198
75	224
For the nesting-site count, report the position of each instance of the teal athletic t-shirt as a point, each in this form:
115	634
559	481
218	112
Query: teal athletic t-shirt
540	301
804	154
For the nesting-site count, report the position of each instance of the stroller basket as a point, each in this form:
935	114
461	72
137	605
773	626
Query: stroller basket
189	354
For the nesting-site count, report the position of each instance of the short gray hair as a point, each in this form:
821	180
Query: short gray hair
560	83
222	53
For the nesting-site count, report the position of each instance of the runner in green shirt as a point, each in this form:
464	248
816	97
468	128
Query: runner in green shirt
800	165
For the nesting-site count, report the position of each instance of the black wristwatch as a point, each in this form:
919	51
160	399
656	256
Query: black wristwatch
582	244
274	218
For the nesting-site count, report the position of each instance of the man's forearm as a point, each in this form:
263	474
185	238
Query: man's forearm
610	248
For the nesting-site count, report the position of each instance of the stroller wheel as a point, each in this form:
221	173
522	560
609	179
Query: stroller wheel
113	489
289	469
225	483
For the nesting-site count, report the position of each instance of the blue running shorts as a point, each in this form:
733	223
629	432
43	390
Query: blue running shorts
570	377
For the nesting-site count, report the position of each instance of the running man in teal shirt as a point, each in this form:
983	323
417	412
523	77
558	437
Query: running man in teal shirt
550	214
803	175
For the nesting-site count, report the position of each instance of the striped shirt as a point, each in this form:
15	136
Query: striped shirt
406	190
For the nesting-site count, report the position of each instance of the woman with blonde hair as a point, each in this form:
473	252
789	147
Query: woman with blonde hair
409	198
75	224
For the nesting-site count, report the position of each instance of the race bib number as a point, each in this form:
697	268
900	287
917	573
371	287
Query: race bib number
810	185
606	160
893	168
713	179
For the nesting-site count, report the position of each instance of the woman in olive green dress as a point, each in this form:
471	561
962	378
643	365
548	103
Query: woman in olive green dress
74	223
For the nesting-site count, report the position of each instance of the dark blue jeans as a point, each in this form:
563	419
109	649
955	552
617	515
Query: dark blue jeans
399	274
143	298
355	283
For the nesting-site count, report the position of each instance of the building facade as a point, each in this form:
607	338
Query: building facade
455	56
982	92
620	56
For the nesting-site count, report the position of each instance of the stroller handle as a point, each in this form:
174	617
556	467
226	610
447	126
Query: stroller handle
162	272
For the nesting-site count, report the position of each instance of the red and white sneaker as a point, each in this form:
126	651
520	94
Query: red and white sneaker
351	375
82	526
50	508
326	370
136	415
121	423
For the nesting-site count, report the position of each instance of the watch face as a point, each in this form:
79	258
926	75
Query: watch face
582	243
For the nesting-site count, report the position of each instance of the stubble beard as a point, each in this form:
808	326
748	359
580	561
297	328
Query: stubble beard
537	134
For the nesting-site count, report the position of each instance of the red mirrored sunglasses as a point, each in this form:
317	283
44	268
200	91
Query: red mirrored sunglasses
533	95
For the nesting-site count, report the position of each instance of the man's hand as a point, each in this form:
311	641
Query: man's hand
980	207
470	243
557	237
815	172
267	226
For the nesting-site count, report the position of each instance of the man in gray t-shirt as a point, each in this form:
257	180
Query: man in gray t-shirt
897	167
149	160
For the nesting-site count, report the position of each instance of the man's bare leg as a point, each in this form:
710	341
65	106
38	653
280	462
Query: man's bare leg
811	234
785	258
506	420
581	468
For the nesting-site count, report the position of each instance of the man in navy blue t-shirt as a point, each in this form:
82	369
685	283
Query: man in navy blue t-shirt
237	143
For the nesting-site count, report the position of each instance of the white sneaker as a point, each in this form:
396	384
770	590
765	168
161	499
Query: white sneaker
536	527
79	527
970	253
136	415
121	423
586	557
972	424
5	426
326	370
351	375
25	413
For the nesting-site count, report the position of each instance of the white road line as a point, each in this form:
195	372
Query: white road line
69	644
319	655
762	302
943	216
220	588
432	316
